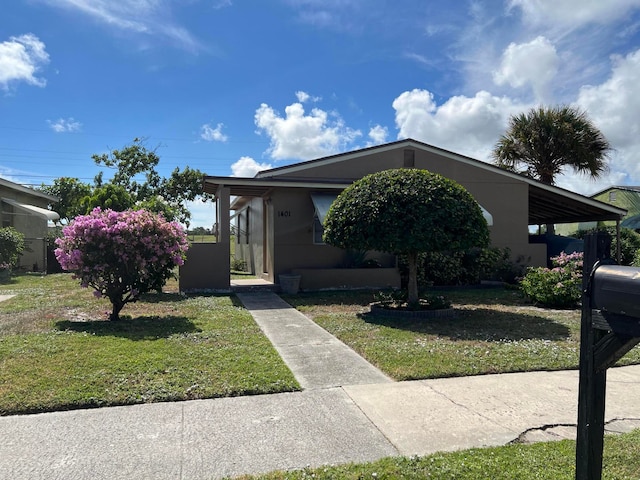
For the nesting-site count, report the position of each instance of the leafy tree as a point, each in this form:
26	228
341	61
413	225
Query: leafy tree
135	168
405	212
121	255
11	247
70	191
541	142
108	196
136	171
135	182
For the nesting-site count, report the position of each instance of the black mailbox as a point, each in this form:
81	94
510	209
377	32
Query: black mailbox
616	289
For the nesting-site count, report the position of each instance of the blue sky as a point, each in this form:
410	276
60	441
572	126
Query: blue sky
230	87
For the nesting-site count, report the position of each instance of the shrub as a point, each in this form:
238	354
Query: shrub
121	255
629	242
465	268
557	287
238	265
11	247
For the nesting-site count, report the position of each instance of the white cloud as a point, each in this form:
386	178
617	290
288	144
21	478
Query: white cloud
248	167
532	64
378	134
65	125
300	136
614	107
210	134
304	97
150	17
20	59
574	12
466	125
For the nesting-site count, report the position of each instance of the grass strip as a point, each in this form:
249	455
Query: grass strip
495	331
539	461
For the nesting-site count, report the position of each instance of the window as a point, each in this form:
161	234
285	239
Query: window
612	196
318	231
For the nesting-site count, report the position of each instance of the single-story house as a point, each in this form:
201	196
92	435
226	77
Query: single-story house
622	196
26	210
278	214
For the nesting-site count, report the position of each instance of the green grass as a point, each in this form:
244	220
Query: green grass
540	461
495	331
58	351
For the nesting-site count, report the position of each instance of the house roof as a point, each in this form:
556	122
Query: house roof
628	188
29	191
547	203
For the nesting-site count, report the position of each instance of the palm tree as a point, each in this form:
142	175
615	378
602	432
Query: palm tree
541	142
544	140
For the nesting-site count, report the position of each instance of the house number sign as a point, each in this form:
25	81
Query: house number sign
284	213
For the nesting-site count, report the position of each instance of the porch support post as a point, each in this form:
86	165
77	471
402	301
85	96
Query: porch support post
223	219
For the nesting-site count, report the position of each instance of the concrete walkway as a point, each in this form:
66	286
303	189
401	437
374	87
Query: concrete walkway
316	358
354	422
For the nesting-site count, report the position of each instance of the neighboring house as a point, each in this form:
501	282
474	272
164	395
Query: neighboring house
26	210
621	196
279	213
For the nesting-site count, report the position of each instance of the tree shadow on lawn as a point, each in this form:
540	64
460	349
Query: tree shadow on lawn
139	328
479	324
162	297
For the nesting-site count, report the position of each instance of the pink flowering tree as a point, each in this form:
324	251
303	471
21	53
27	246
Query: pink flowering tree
121	255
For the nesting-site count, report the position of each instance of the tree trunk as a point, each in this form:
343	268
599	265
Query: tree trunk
412	286
117	306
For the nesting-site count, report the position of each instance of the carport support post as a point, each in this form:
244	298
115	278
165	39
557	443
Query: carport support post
223	219
593	382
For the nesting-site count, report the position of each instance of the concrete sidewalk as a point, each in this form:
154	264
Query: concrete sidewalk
349	412
209	439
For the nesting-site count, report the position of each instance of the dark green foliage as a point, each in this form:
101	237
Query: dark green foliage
406	211
465	268
629	242
108	196
238	265
11	247
70	191
403	211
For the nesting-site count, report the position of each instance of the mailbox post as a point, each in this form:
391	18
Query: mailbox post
610	327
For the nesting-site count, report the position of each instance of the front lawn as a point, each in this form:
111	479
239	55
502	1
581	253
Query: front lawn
58	351
540	461
495	331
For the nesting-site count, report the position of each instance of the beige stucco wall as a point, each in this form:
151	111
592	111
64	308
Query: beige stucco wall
291	245
507	199
206	268
33	227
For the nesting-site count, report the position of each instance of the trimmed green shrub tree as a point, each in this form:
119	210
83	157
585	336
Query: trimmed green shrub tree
405	212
